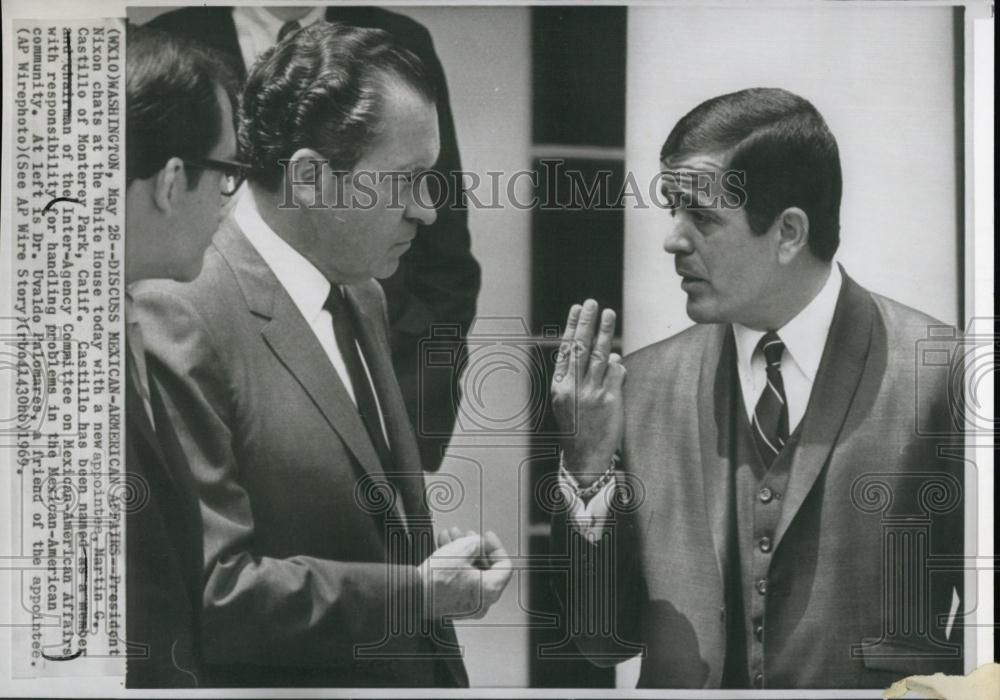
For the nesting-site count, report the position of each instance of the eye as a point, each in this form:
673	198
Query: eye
700	217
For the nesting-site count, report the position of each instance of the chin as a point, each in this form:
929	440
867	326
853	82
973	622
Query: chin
701	313
386	270
190	272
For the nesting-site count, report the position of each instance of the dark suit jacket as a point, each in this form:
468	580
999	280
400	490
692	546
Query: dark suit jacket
299	586
438	278
162	551
858	471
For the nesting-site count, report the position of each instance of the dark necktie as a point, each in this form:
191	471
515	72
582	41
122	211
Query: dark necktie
287	28
770	417
345	328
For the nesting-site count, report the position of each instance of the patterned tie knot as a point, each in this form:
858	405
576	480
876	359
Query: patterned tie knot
772	347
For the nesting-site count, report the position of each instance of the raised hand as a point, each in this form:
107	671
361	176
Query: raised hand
587	392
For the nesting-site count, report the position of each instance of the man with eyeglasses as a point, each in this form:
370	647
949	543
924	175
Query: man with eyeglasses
180	164
233	172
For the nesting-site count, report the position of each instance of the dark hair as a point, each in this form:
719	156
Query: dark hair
321	88
170	98
780	141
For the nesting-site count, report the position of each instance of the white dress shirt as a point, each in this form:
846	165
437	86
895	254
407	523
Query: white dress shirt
257	30
804	338
306	285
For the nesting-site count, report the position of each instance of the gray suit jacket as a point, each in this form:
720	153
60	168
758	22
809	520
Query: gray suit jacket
860	476
298	584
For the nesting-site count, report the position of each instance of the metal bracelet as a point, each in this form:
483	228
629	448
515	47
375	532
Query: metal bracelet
590	491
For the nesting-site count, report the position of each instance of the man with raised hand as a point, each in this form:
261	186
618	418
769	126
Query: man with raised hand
732	490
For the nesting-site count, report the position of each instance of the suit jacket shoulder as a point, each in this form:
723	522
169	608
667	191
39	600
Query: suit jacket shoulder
209	300
680	354
903	322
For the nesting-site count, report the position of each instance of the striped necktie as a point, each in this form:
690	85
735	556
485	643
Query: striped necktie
770	416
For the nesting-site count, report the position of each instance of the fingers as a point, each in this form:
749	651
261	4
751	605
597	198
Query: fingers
581	354
449	534
614	377
465	548
583	339
601	351
566	345
493	547
495	578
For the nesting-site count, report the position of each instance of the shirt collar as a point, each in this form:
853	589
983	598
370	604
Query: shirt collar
304	283
129	308
805	335
263	21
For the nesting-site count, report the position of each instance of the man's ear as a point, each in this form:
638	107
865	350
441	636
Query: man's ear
793	234
170	182
304	175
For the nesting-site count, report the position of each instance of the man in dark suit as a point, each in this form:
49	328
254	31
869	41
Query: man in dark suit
319	559
438	279
773	519
180	144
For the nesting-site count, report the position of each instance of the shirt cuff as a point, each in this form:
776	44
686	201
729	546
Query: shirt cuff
587	517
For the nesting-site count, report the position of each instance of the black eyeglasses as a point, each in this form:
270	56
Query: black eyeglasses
233	172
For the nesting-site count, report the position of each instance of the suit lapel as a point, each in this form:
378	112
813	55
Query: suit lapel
168	477
136	418
715	387
837	380
291	339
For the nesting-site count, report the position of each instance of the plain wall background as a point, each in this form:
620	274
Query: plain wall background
882	77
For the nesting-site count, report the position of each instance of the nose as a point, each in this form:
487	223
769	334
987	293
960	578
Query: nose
677	239
420	208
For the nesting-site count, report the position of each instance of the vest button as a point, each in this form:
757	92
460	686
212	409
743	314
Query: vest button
765	544
765	495
762	586
758	632
758	681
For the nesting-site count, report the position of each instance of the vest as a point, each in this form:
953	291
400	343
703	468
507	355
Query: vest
757	494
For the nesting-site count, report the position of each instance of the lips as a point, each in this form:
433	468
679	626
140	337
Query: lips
688	277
